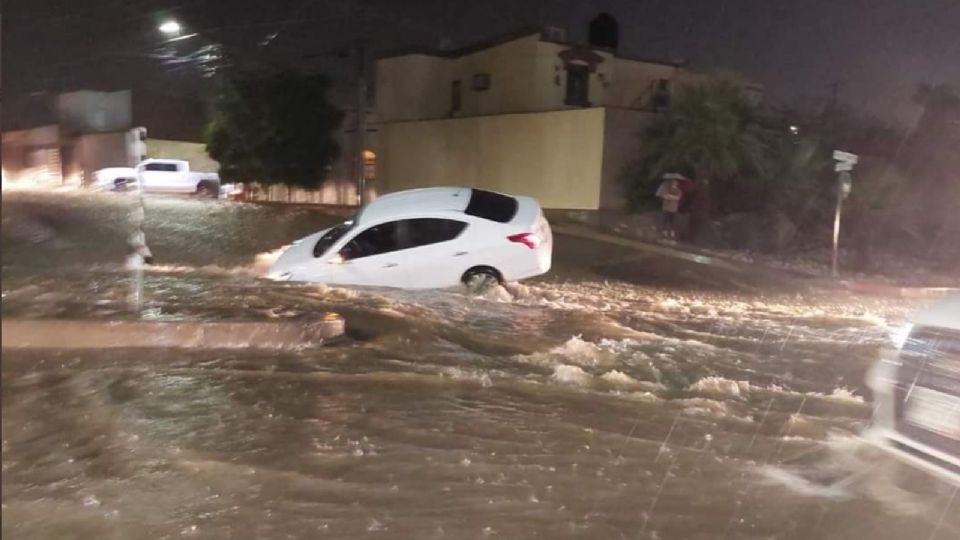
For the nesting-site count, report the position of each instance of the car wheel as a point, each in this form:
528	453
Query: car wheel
208	189
120	184
480	279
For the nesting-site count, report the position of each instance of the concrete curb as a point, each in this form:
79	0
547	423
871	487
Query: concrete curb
24	334
885	289
586	232
863	287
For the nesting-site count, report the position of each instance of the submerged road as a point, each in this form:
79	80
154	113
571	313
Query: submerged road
628	394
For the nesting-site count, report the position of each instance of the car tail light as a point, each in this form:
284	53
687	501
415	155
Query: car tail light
528	239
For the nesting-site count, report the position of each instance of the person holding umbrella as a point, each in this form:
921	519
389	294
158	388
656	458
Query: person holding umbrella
670	194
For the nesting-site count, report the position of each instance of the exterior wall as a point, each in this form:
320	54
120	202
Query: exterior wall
621	130
339	188
555	157
332	192
414	86
194	152
632	83
89	111
109	150
526	75
514	83
32	155
552	76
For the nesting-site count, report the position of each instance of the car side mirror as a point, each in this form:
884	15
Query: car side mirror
344	255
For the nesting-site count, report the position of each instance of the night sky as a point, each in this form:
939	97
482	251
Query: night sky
876	51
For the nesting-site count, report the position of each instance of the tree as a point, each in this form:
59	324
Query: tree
793	180
931	158
877	210
274	128
709	132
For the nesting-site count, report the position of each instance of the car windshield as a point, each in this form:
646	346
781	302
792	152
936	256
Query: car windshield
330	237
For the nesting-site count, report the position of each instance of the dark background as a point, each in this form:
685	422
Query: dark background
871	53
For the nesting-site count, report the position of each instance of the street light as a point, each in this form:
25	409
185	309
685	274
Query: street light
170	28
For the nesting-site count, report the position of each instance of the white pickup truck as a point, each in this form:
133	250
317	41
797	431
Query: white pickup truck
158	176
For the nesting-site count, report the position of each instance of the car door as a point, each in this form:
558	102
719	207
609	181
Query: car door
436	257
158	177
373	257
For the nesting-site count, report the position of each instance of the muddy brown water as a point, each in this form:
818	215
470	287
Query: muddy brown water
590	403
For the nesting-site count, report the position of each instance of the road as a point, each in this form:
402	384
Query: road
627	394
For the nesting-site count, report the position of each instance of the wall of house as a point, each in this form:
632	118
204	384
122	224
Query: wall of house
555	157
332	192
413	86
194	152
32	155
632	83
95	151
91	111
513	81
552	76
526	75
621	146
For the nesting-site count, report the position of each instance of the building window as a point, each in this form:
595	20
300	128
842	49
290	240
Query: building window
661	96
578	85
455	96
481	81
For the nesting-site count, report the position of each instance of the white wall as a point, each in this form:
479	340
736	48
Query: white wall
555	157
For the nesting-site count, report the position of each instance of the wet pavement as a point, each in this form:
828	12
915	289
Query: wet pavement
624	395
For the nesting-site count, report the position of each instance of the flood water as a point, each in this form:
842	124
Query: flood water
621	400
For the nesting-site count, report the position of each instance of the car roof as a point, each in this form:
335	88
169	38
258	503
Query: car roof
944	313
415	201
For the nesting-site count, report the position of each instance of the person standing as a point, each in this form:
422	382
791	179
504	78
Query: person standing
670	194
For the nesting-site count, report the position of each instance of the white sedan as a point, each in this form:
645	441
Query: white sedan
424	239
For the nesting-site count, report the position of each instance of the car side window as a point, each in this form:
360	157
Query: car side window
425	231
382	238
165	167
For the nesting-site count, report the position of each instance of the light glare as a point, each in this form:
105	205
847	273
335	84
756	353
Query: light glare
170	27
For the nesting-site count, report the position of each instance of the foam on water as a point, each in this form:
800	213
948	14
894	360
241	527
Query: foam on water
263	261
844	394
461	374
574	351
619	378
719	386
574	375
796	483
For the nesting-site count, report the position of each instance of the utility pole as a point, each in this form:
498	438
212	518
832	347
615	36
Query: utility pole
360	52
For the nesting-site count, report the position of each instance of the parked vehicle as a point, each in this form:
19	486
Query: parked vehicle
427	238
916	387
158	176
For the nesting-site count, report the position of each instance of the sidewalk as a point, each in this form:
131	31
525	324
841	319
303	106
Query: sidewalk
690	253
885	289
591	233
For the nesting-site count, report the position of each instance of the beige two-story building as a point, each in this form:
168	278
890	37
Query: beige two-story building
528	113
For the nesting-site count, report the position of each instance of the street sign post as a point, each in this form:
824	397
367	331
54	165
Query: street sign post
845	161
839	155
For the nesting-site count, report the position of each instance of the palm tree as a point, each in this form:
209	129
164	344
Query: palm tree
709	132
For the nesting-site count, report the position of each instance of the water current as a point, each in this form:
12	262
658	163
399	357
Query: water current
595	402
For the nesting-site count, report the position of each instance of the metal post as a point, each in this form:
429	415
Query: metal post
845	162
361	123
836	227
139	252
